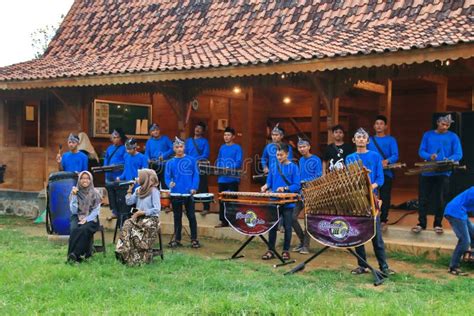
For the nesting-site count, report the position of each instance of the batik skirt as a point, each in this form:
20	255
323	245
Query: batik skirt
135	245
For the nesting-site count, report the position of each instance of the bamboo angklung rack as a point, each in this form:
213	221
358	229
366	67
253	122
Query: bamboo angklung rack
345	191
258	197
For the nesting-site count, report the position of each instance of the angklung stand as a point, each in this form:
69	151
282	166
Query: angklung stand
253	214
340	212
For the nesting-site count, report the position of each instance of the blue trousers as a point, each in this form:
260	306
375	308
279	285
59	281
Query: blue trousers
464	231
286	215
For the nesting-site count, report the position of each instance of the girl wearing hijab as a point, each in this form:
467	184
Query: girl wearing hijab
84	203
139	233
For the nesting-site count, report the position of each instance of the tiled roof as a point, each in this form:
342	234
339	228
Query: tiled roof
101	37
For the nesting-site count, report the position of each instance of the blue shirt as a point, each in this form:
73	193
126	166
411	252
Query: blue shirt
461	205
388	145
75	162
183	171
446	146
230	156
373	162
158	147
269	155
292	174
202	144
310	168
132	164
117	159
150	204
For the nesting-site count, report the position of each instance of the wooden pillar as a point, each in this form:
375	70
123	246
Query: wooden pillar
333	117
441	96
316	124
385	104
247	141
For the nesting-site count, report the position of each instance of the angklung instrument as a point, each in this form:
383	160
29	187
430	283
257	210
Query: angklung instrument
254	214
340	211
434	166
109	168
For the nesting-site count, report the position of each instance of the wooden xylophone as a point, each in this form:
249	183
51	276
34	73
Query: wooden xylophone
258	197
396	165
434	166
345	191
107	168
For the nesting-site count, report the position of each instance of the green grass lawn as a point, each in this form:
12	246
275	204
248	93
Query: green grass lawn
34	279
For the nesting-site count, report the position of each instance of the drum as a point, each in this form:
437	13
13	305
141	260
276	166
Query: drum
165	198
203	198
59	188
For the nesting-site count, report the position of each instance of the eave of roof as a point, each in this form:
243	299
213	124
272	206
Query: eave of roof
453	52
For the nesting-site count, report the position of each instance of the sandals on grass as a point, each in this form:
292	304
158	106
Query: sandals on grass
268	255
457	272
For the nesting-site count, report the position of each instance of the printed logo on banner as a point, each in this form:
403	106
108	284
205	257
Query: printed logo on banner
250	218
338	228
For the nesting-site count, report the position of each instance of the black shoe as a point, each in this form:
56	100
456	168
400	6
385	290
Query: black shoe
388	271
360	270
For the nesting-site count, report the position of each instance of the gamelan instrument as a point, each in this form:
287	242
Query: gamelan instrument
340	211
203	198
260	177
434	166
396	165
253	214
109	168
206	168
165	198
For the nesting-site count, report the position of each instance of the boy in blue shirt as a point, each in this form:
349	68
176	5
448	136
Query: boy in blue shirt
182	177
387	147
74	160
158	149
134	161
456	214
373	162
269	152
310	168
283	177
198	147
230	156
114	155
437	145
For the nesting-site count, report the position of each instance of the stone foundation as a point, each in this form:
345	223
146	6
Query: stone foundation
25	204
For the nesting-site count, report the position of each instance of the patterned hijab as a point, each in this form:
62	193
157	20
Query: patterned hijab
88	198
147	179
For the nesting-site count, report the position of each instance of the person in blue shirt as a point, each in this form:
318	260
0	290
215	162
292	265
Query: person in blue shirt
198	147
114	155
74	160
373	162
230	156
387	147
456	212
134	161
310	168
283	177
158	149
139	233
182	177
436	145
269	152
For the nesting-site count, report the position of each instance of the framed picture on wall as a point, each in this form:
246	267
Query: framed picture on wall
133	118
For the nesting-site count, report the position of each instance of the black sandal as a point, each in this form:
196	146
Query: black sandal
195	244
457	272
285	255
268	255
175	244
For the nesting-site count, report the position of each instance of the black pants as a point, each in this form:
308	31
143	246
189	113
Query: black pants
386	197
111	193
204	188
379	249
81	237
233	186
433	196
160	173
286	216
177	205
302	234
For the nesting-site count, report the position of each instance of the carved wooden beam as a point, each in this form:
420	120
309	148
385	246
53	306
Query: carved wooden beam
370	86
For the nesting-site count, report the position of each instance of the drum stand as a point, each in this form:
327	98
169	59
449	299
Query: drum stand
283	262
379	277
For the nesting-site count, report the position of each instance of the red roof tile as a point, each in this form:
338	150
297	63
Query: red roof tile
109	37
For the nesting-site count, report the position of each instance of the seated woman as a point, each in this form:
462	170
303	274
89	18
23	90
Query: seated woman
84	203
139	233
